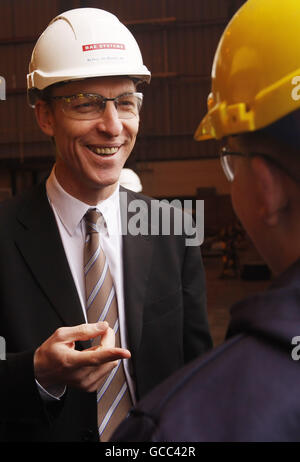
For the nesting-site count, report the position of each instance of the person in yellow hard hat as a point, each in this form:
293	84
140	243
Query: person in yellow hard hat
94	313
247	389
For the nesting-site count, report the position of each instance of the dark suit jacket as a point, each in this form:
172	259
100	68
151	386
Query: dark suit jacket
164	303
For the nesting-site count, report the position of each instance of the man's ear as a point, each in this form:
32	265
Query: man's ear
44	117
271	192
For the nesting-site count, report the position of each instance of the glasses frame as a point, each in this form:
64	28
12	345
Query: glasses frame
224	151
102	100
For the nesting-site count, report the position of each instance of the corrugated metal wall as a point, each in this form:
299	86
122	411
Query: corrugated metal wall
177	38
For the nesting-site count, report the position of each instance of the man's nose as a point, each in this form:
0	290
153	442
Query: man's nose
109	122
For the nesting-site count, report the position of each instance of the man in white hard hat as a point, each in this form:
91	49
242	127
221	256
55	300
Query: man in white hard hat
76	291
248	388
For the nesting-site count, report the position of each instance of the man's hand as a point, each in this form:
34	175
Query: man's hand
56	362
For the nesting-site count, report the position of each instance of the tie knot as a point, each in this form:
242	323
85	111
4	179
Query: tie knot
93	219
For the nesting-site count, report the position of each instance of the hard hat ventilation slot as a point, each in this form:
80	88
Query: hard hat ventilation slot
67	21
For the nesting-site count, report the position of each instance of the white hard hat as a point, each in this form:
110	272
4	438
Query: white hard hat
83	43
130	180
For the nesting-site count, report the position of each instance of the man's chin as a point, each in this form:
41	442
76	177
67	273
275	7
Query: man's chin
105	185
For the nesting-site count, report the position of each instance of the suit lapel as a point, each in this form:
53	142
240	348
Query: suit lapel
137	252
40	244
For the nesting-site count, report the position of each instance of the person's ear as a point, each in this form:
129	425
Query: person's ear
271	193
44	117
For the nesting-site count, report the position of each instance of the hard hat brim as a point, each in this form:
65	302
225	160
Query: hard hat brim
268	106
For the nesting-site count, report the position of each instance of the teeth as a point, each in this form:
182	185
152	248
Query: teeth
104	151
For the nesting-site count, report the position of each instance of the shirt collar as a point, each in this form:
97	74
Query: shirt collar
71	210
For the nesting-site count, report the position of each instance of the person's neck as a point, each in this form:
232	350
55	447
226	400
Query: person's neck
88	195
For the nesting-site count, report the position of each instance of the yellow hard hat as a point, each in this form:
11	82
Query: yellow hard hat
256	70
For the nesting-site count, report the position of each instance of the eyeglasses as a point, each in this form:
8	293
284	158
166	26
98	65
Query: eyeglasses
226	159
89	106
227	162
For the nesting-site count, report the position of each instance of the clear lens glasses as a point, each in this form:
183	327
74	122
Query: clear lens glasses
89	106
227	162
227	165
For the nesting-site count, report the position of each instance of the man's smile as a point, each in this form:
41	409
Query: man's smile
103	150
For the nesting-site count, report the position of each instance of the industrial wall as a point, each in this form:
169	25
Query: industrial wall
178	39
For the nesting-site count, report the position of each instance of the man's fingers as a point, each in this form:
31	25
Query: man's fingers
108	339
95	357
80	332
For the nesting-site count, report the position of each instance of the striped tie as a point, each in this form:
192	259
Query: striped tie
113	397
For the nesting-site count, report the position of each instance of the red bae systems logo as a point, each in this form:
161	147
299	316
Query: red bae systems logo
103	46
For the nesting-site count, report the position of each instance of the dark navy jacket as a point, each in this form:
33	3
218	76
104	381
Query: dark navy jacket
248	389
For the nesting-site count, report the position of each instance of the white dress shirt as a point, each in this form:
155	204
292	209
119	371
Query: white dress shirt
69	213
